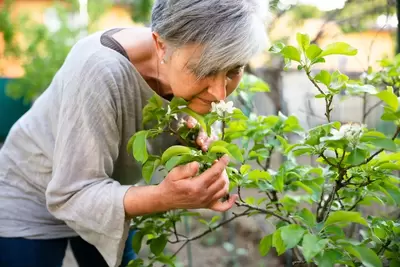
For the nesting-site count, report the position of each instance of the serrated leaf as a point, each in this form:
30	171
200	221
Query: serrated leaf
345	217
339	48
265	245
291	235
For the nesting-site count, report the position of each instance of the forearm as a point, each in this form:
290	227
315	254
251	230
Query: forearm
142	200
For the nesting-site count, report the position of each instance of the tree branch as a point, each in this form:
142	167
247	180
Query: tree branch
186	241
377	152
264	211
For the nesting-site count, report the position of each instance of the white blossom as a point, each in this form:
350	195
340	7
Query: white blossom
222	108
352	132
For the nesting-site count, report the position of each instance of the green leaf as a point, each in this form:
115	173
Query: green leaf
245	168
234	150
265	245
291	52
389	98
255	175
198	117
278	243
308	217
339	48
329	258
357	156
313	51
148	169
366	255
303	41
303	186
361	88
323	77
384	143
136	263
345	217
312	245
157	245
137	241
394	263
277	48
140	146
129	147
291	235
338	80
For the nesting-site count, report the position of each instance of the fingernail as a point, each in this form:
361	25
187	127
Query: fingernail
225	158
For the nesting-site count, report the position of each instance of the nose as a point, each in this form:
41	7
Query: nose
217	86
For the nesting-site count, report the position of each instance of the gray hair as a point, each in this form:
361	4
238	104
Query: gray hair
230	32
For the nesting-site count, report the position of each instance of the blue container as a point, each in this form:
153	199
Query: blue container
10	110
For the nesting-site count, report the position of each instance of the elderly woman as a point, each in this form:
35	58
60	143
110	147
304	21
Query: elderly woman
65	175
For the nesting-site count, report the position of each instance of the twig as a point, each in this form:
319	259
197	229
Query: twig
239	193
264	211
326	159
245	213
377	152
370	110
355	204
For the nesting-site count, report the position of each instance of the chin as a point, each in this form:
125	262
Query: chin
200	108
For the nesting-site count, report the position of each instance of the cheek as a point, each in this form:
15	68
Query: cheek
233	84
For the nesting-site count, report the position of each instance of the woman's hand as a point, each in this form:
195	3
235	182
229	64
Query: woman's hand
182	189
202	140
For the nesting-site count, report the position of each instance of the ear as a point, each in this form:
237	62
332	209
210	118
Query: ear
161	47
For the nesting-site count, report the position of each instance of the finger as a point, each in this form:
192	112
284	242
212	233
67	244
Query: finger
224	206
213	173
208	142
201	138
191	122
185	171
219	194
218	186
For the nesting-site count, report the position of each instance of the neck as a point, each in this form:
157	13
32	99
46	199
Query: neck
142	54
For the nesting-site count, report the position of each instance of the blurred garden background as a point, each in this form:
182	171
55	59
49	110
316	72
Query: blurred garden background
36	36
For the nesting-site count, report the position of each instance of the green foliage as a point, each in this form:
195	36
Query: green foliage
43	51
355	167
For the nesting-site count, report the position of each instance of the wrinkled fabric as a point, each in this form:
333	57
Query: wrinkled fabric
64	167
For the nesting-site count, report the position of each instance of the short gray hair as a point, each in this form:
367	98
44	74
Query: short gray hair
231	31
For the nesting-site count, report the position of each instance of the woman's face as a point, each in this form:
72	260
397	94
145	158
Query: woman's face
200	92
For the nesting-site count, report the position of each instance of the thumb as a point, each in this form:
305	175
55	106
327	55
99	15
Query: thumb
185	171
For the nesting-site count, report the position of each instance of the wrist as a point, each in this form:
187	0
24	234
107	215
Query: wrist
143	200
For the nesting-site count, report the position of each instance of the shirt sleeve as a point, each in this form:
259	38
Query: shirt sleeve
87	139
